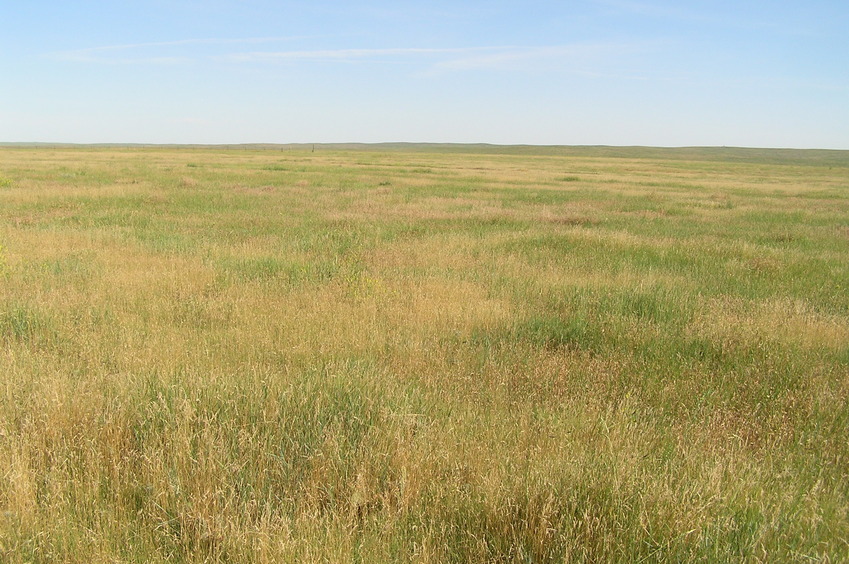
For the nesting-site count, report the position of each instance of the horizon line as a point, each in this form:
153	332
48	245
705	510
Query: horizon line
411	144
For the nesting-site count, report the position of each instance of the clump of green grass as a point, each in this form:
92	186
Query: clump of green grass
24	323
268	269
555	332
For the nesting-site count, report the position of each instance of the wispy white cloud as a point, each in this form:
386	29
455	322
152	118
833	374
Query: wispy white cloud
352	55
81	57
746	17
580	57
139	53
643	8
540	57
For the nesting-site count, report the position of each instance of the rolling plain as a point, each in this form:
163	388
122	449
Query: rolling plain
423	354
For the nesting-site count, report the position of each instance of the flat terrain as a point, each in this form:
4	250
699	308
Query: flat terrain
423	354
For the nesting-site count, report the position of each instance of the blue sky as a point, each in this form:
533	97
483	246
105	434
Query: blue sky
613	72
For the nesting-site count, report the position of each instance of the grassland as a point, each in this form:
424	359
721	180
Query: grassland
423	356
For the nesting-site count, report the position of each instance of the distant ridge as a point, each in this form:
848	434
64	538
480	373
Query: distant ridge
826	157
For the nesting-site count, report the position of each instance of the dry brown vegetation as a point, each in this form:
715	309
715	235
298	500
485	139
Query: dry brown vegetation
266	356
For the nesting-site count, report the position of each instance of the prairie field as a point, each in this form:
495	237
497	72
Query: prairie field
410	355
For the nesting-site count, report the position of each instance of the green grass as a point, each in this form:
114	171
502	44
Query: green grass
423	354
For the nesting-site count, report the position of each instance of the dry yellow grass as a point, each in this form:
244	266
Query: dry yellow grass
266	356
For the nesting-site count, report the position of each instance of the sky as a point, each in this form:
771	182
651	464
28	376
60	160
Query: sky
576	72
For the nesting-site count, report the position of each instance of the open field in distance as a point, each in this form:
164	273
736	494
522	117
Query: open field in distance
423	354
